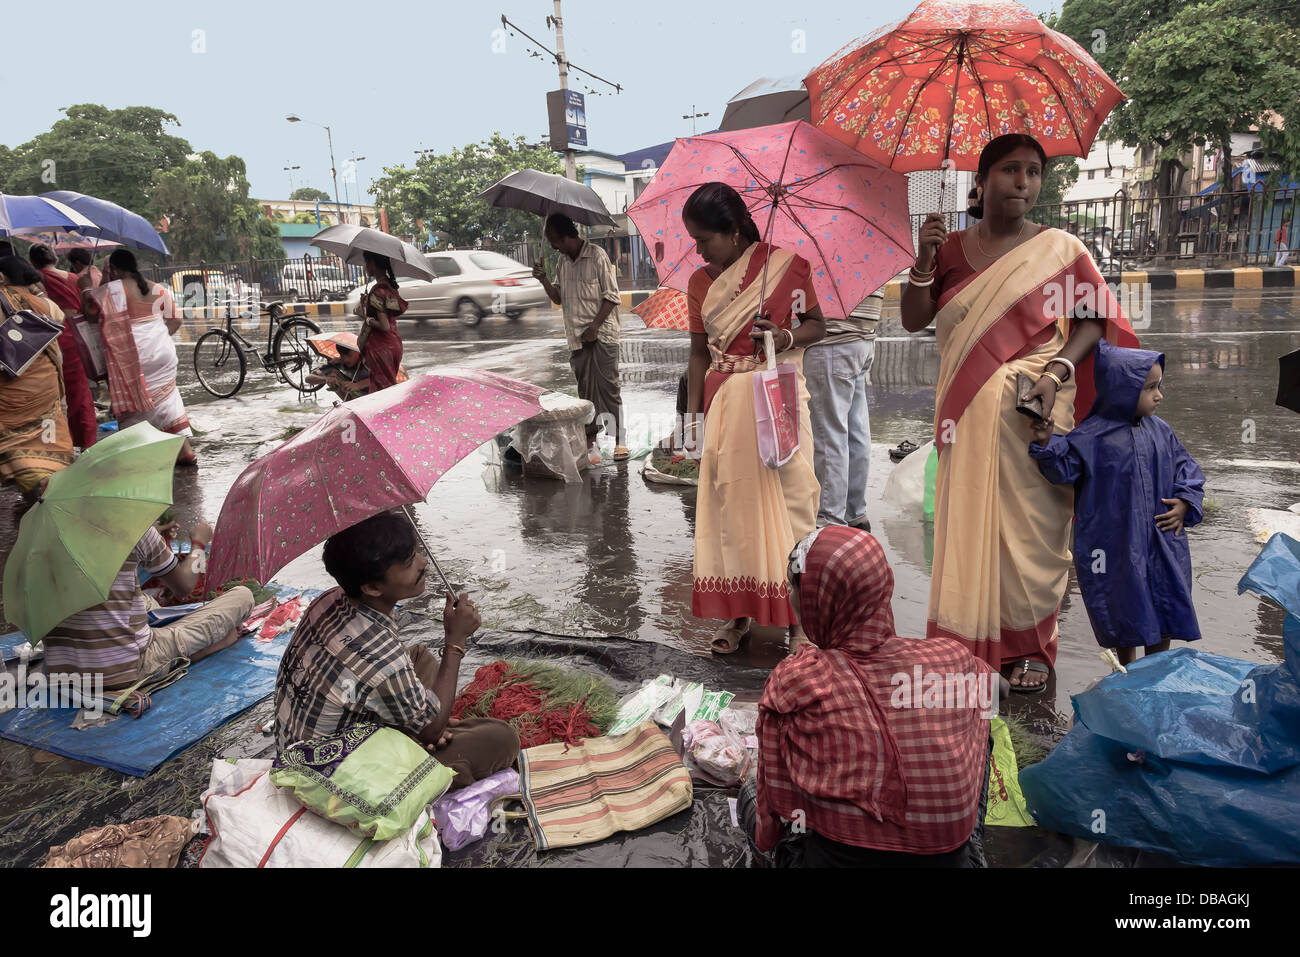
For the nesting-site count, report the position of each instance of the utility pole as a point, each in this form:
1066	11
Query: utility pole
570	164
693	116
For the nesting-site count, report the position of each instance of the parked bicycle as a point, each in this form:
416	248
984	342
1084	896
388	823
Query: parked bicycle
220	354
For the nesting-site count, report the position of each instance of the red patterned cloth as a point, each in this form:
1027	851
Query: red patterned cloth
840	747
665	309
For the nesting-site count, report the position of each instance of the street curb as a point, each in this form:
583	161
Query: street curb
1243	277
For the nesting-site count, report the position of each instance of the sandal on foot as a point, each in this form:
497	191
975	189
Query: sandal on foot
1027	665
728	639
902	450
621	454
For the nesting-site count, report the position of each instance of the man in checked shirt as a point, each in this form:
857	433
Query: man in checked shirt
345	663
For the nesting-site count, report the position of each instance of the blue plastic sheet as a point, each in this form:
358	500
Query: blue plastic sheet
1191	754
217	689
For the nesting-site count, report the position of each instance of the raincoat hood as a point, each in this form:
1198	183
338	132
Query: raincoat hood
1119	375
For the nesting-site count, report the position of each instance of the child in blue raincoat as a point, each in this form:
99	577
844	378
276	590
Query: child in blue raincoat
1136	489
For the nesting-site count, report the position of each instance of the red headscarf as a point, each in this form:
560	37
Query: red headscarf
845	746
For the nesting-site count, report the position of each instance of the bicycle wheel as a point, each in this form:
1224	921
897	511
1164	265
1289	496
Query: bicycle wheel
292	353
219	363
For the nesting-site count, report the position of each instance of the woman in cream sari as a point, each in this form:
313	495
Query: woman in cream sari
747	516
1003	295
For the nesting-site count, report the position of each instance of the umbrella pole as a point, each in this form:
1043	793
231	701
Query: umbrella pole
427	550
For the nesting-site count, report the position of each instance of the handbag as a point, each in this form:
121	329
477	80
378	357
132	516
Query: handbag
90	347
24	335
374	780
776	408
577	794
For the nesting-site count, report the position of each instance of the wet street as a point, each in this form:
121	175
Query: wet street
612	555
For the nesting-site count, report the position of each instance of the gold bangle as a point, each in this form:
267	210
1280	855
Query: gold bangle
1055	378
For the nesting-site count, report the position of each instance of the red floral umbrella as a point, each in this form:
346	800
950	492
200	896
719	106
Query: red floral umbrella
954	75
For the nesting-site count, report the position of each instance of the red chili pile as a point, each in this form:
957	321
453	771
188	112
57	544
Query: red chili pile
538	717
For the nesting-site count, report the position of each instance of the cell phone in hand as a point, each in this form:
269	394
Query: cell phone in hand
1034	407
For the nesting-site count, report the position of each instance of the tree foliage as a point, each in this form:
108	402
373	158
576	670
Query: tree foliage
441	191
310	194
130	157
111	154
211	216
1207	72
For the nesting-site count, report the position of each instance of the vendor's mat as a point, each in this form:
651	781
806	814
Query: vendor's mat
217	689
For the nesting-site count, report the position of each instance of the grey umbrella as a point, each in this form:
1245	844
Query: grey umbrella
350	242
544	193
766	102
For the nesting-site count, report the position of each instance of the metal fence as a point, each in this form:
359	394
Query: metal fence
1212	229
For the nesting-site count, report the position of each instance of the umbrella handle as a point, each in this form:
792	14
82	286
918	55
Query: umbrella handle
428	551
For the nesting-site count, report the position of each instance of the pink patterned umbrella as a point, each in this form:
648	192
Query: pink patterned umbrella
362	457
846	214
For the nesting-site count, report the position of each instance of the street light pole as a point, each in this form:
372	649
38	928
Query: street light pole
293	118
356	178
693	116
570	164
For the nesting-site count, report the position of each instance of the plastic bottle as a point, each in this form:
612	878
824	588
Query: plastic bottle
931	470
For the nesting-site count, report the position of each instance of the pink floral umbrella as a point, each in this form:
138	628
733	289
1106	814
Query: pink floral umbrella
846	214
361	458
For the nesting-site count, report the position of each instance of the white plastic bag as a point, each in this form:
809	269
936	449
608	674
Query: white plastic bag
905	486
715	752
255	824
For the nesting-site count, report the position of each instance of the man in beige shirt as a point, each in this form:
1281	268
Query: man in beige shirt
586	288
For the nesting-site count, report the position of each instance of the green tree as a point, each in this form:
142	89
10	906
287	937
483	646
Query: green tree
111	154
441	191
211	215
303	219
310	194
1210	70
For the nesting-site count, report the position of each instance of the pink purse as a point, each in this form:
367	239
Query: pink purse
776	408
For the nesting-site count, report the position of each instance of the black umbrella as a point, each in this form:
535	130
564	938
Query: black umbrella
1288	381
544	193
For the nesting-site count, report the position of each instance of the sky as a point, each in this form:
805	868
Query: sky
399	76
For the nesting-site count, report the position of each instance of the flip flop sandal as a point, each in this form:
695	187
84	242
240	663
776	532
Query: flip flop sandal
727	641
902	450
621	454
1026	666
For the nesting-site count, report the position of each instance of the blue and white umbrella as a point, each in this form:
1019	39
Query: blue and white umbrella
112	221
19	214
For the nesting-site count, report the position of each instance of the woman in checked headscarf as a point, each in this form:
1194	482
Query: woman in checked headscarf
874	771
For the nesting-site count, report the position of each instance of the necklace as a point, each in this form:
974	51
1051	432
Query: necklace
986	253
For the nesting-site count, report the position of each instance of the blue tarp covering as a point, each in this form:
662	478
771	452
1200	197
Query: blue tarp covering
217	689
1191	754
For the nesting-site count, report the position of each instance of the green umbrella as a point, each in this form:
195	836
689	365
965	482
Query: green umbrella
73	542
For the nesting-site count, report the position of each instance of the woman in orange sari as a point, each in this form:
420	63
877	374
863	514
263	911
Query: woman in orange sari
747	516
34	438
136	322
1003	295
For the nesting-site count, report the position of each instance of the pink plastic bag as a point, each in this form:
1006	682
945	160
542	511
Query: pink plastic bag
776	408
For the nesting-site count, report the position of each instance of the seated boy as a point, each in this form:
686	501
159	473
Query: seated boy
114	638
345	663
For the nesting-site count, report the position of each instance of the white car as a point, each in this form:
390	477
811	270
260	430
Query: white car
325	282
469	284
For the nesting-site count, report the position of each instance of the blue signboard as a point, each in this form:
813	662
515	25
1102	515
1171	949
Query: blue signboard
575	118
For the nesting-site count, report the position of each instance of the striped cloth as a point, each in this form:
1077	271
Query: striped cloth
577	794
109	638
841	747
